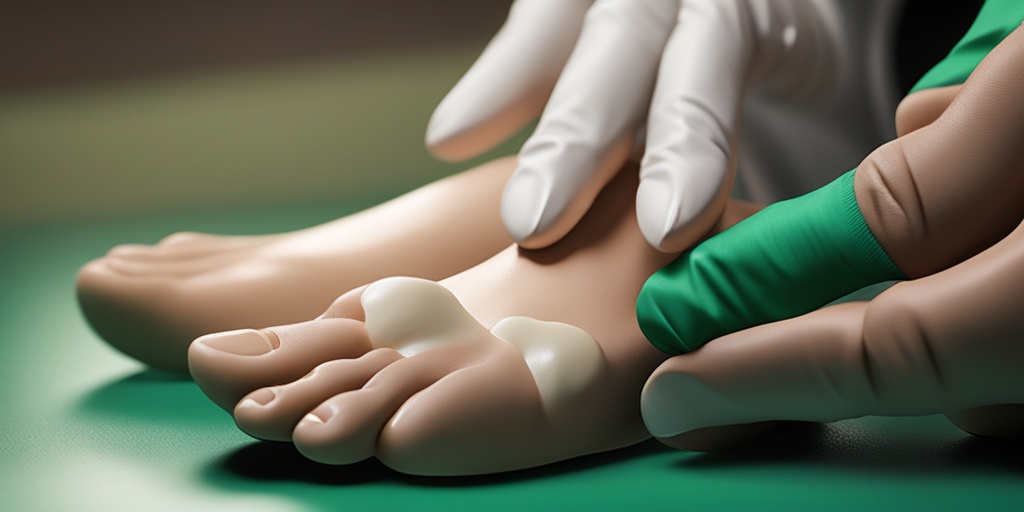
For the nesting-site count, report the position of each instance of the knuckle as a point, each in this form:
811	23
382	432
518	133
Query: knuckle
899	353
890	194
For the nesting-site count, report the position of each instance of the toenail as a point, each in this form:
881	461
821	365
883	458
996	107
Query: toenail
261	397
243	342
321	414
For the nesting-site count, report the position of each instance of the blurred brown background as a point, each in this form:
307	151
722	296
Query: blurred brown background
67	41
116	107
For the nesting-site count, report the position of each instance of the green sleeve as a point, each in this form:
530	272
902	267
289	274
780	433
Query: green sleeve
995	21
791	258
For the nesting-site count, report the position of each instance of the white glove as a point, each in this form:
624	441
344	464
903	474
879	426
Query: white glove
599	66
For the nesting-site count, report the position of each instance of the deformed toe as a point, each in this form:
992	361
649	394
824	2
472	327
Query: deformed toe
273	413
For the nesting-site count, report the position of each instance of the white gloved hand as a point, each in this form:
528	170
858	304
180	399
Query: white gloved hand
601	67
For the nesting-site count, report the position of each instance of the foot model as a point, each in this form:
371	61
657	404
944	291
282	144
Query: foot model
150	302
528	358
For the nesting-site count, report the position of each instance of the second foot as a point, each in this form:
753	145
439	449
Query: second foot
150	302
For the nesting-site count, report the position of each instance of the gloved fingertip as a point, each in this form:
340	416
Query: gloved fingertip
522	206
448	138
657	213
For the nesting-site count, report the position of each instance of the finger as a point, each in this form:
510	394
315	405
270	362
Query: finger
510	82
716	51
945	342
941	193
919	204
585	133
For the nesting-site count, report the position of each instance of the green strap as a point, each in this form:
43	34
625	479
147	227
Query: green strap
789	259
995	21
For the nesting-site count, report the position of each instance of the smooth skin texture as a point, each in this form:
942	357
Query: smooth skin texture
150	302
945	201
468	407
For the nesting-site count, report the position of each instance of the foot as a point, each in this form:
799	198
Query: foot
150	302
528	358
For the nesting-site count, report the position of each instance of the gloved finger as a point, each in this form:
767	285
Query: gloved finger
717	50
949	341
510	82
585	133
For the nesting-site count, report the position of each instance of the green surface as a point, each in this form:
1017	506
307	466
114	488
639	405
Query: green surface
84	428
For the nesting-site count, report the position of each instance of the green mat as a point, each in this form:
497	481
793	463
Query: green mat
84	428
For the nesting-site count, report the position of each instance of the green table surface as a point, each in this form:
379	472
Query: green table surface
85	428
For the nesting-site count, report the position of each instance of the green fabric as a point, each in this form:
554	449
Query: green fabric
995	21
789	259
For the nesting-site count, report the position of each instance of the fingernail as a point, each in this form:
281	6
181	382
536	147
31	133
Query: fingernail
321	414
260	397
243	342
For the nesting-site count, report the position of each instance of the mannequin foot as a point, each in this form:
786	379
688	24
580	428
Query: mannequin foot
150	302
424	396
450	378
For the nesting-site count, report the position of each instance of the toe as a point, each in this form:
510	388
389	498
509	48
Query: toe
229	365
131	251
481	419
186	246
344	428
130	315
178	266
272	413
193	239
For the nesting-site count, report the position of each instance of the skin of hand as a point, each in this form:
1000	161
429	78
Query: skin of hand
945	202
604	71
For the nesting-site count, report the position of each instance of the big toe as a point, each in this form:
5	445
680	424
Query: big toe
229	365
130	315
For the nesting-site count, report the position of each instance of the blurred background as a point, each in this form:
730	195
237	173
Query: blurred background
113	107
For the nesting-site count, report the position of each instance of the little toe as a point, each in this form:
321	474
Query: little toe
272	413
230	365
192	238
185	246
344	428
171	266
131	251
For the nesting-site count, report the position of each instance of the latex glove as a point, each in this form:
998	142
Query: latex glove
682	65
949	341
